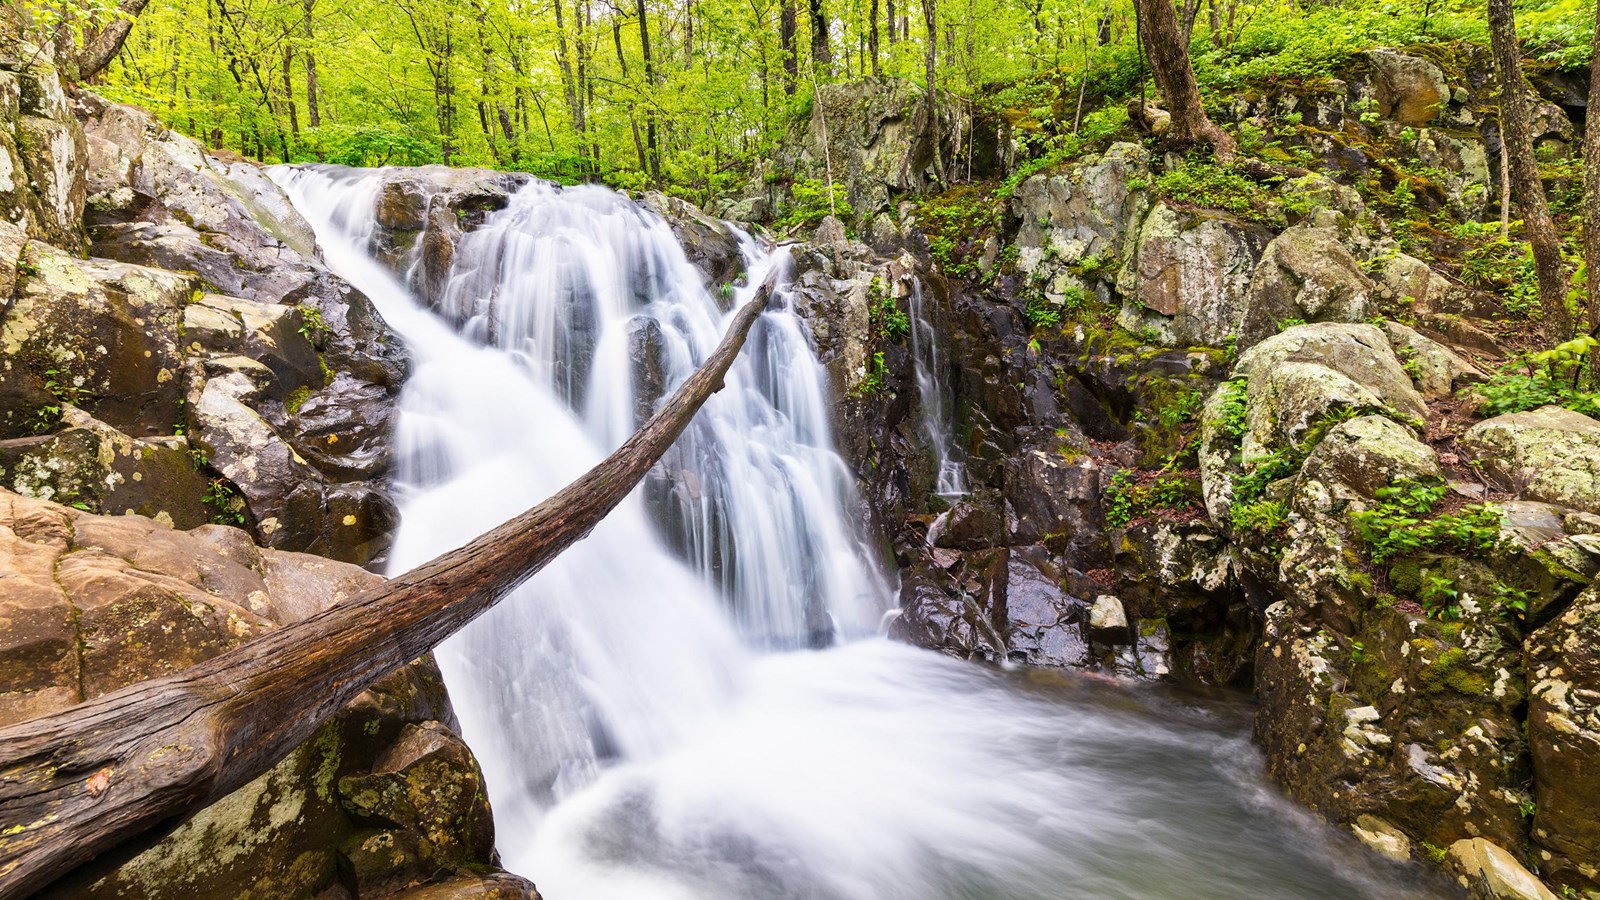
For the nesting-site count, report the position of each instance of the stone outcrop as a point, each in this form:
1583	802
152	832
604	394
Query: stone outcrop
385	796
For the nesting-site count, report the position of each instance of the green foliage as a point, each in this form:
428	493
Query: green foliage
227	504
876	378
812	204
1183	409
368	145
956	223
313	327
1266	516
884	317
1230	421
1118	499
1402	523
1042	315
1542	378
1206	184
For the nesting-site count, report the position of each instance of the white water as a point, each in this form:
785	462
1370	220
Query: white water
935	396
648	728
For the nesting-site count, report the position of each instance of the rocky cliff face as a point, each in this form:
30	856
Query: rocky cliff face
1229	438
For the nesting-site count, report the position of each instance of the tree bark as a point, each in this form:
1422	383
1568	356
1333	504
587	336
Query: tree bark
1517	144
821	53
650	84
872	40
787	16
1168	54
102	46
76	783
1591	204
313	90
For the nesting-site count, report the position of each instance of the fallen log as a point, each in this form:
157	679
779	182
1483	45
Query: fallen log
77	783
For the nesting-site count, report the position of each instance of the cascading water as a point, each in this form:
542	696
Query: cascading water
935	396
648	728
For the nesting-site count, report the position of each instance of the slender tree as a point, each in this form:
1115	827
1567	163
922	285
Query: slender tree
1591	203
1517	144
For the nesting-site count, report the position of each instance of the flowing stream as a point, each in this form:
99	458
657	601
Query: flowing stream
648	713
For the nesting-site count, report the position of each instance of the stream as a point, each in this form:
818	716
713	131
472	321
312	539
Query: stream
695	702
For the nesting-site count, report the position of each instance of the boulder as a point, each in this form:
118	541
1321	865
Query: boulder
1085	212
1192	270
1434	368
1305	274
1407	89
1550	454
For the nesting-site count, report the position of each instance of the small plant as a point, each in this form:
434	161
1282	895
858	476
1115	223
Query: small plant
876	378
1119	499
884	316
1096	266
227	504
1183	408
1041	313
1400	523
1230	421
1264	516
313	327
1540	379
1440	599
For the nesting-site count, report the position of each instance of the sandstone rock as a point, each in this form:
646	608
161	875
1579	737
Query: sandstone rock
1308	275
1490	873
1193	269
1550	454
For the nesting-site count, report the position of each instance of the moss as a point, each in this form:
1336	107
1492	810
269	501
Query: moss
1452	671
297	398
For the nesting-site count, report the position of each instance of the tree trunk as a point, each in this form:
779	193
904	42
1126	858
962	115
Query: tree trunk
288	93
650	84
1591	204
821	53
1517	144
77	783
1168	54
313	90
786	36
872	40
102	46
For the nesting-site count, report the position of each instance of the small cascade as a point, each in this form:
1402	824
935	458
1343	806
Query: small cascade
936	396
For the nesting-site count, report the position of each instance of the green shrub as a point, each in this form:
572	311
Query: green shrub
810	204
1540	379
1401	523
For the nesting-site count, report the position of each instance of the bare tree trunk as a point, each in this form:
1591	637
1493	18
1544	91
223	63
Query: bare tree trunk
821	53
1591	204
650	83
288	93
1517	144
786	42
313	90
872	40
79	782
1168	54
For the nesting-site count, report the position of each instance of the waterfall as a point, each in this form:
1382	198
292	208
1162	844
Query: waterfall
935	395
650	720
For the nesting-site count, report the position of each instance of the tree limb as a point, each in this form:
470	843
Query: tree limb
77	783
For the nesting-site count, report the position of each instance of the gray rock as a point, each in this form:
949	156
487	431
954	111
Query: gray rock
1550	454
1192	270
1305	274
1408	89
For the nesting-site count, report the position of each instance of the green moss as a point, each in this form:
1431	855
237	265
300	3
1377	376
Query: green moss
297	398
1452	671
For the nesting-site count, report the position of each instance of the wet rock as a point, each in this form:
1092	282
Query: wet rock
274	335
1550	454
1564	735
344	428
1043	624
1193	271
1305	274
1108	622
1490	873
647	362
712	248
1053	500
933	618
500	886
974	522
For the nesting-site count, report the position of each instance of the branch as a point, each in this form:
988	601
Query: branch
78	782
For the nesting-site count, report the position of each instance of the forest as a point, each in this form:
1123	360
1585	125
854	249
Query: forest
690	96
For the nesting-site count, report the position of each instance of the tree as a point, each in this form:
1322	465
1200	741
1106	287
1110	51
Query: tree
1591	202
1168	54
1517	145
81	781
